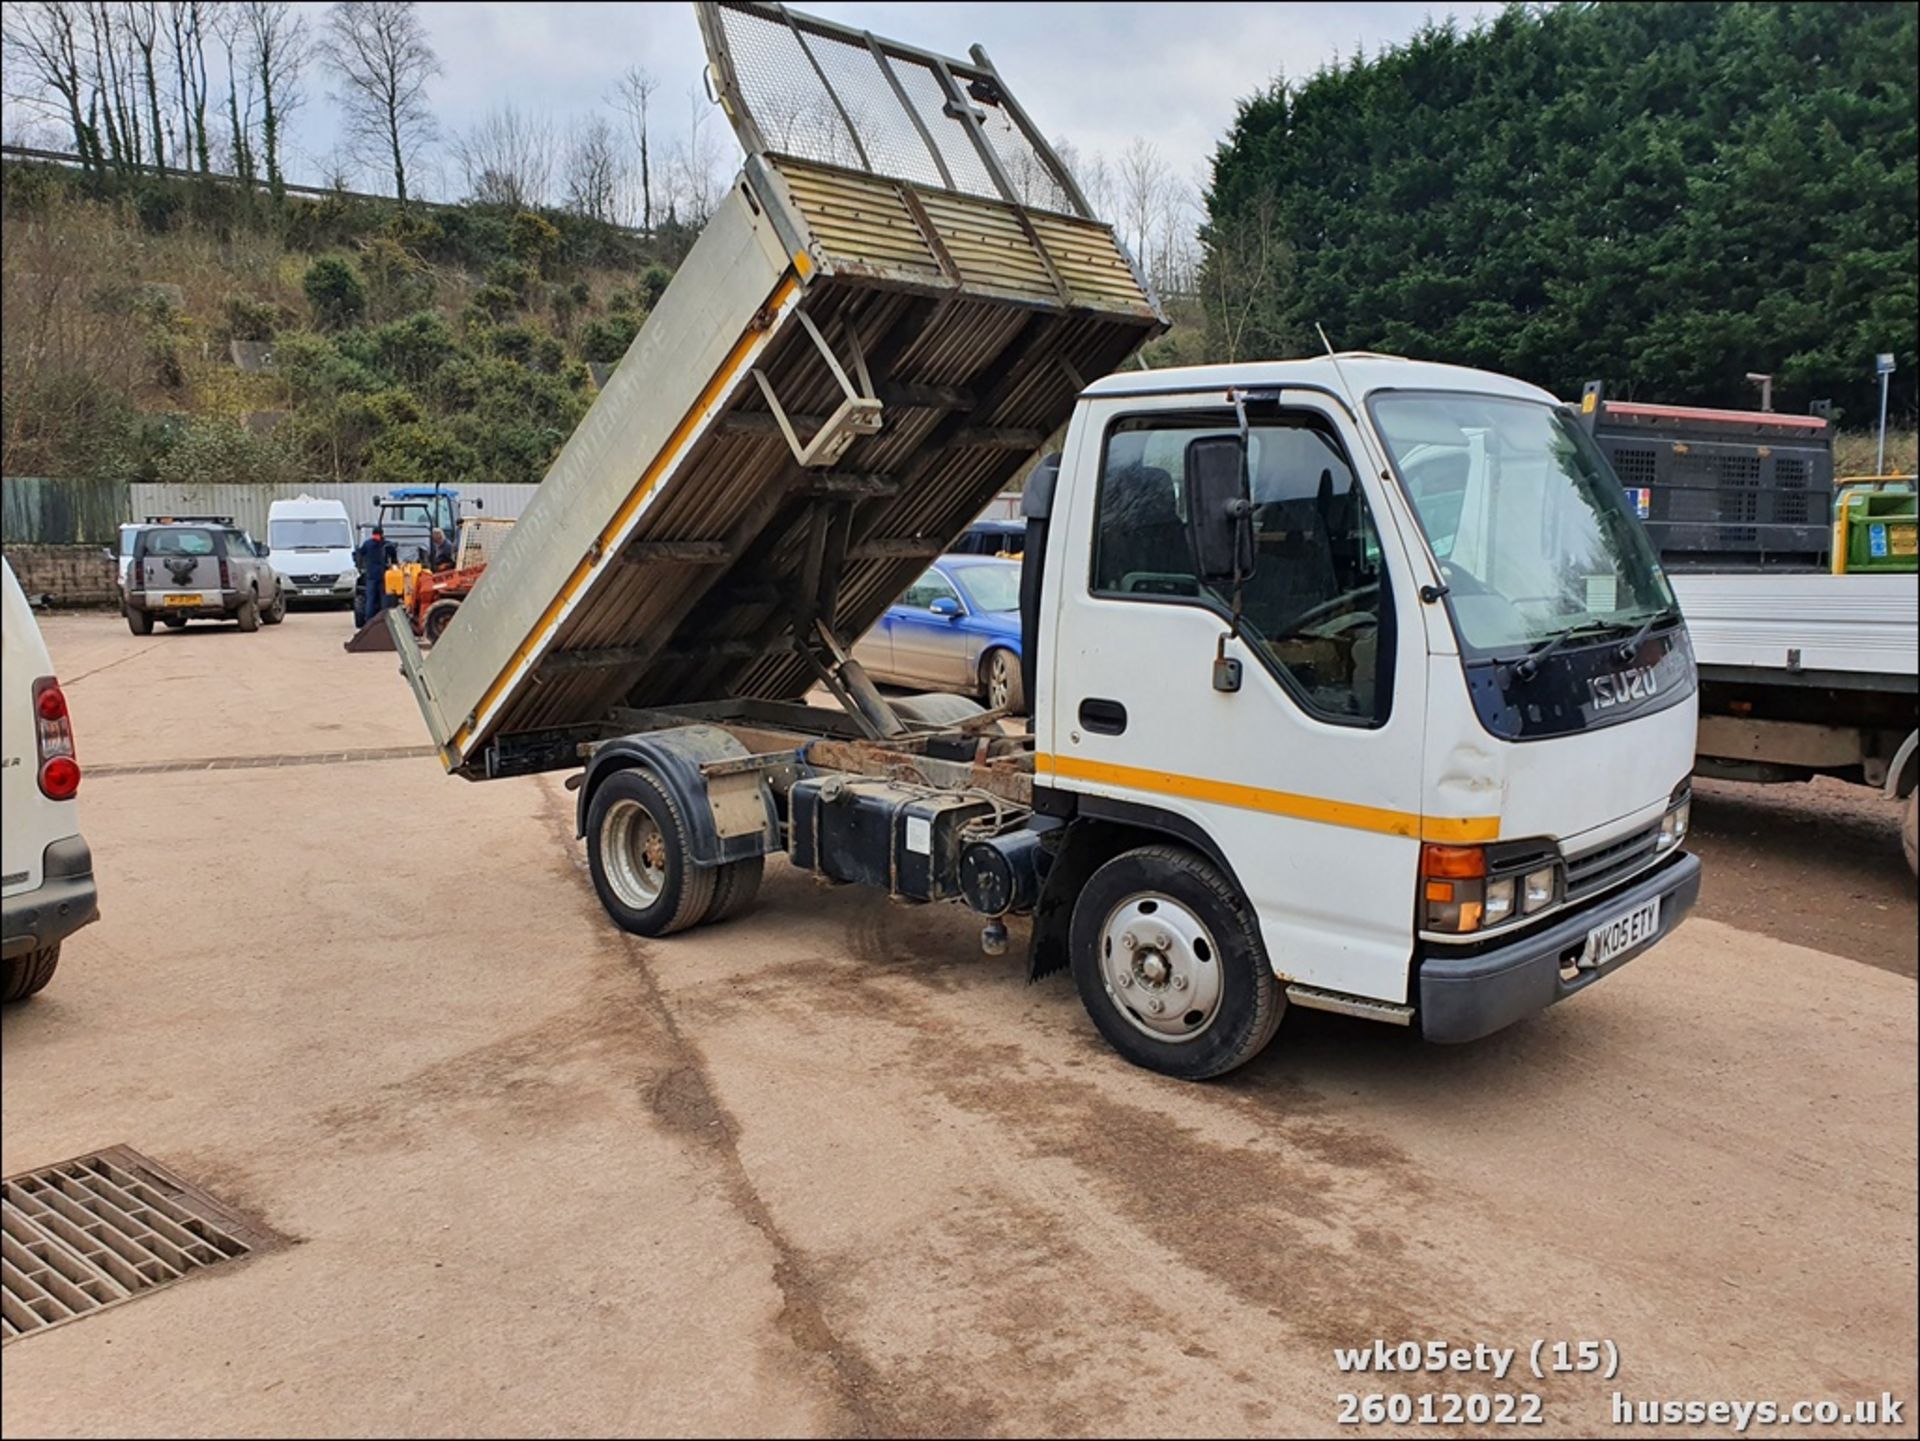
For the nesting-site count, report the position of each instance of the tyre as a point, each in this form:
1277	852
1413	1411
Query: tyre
1910	831
1168	961
248	614
29	973
276	612
174	622
937	709
734	887
438	615
637	855
140	622
1001	684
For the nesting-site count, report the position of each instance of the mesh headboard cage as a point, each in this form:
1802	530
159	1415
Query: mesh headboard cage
808	89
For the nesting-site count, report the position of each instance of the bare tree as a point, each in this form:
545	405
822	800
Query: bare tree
142	21
229	27
507	159
633	94
379	49
188	22
596	172
697	181
1241	277
112	98
276	46
1091	173
1143	183
45	48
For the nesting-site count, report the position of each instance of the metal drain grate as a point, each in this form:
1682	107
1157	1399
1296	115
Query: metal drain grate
92	1232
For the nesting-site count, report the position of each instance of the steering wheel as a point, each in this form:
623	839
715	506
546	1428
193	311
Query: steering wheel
1345	606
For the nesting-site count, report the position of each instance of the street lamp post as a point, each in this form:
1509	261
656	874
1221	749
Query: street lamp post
1884	364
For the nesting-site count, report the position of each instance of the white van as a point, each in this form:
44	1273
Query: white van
48	891
312	549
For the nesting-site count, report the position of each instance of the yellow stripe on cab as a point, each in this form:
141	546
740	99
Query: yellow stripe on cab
1350	814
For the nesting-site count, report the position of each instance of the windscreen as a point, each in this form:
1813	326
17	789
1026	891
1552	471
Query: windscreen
317	533
990	587
1531	529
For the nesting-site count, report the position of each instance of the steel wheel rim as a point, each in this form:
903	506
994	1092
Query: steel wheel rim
633	854
1161	968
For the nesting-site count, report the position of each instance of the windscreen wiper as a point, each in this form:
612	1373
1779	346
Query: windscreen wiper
1528	666
1626	649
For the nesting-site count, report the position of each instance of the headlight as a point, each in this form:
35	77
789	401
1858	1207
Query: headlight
1464	889
1673	825
1499	901
1538	892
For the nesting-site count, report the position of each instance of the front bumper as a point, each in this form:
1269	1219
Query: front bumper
1463	998
317	587
65	900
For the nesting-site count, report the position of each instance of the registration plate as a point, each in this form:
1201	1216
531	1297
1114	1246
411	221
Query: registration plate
193	599
1621	934
317	590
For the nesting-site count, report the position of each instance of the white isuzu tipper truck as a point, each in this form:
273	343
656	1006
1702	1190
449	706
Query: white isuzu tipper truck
1356	684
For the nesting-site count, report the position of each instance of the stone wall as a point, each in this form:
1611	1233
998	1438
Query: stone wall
68	575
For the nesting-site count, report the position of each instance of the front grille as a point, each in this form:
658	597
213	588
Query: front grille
1596	870
314	579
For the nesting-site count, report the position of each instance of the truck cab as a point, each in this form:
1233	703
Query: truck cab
1436	727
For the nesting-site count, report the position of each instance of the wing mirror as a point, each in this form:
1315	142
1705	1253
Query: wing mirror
946	606
1219	510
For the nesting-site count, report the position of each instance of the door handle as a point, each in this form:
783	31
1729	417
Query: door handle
1103	717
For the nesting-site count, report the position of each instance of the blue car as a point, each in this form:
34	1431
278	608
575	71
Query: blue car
957	628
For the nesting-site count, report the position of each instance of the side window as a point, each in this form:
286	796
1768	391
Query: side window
926	590
1316	608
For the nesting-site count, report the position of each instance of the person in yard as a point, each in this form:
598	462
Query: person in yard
373	558
439	551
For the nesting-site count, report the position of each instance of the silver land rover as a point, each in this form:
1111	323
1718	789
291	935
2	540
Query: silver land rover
203	567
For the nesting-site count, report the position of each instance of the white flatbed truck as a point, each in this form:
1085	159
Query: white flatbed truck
1806	675
1356	684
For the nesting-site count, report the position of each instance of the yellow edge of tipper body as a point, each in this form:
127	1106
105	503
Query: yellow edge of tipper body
655	473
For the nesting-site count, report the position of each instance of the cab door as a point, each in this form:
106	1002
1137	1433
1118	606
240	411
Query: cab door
1307	779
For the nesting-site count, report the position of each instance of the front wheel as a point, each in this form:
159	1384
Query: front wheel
1168	961
1910	831
637	853
276	612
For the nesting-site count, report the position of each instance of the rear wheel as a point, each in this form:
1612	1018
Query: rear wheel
248	614
734	887
637	854
276	612
140	622
1001	683
29	973
1169	963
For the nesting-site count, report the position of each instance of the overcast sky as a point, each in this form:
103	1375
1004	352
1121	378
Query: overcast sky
1098	74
